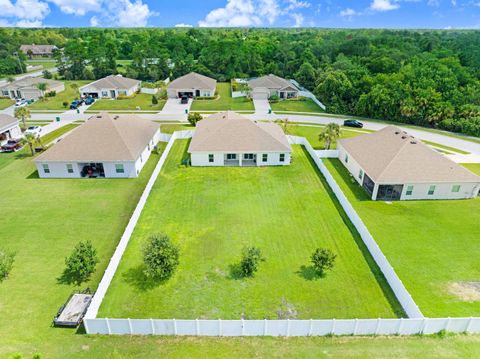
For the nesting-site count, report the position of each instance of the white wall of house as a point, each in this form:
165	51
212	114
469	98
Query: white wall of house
173	93
107	92
349	162
273	158
29	92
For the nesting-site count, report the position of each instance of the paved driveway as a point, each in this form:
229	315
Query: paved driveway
261	106
174	107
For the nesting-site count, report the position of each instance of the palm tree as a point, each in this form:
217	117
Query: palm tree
22	113
31	140
330	134
42	86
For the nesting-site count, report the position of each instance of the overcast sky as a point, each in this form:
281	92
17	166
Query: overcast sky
440	14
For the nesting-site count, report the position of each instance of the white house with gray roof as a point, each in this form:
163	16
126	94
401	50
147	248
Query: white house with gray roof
192	85
9	128
228	139
392	165
27	88
271	85
112	146
111	87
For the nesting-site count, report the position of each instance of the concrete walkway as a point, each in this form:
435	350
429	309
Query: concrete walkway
261	107
174	107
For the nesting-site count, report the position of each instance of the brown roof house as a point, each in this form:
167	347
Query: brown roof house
228	139
27	88
271	85
107	145
111	87
192	85
34	50
9	128
392	165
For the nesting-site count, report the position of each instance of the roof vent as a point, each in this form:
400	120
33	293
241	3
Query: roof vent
99	116
397	132
116	117
413	142
404	137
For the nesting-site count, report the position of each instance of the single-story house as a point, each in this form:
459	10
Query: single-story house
392	165
271	85
27	88
111	87
107	145
192	85
228	139
9	128
34	50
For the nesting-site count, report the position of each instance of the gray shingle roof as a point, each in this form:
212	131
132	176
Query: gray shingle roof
271	82
30	82
7	121
113	82
392	156
228	131
193	81
38	49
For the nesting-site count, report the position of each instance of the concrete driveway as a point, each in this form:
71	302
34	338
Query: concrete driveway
174	107
261	106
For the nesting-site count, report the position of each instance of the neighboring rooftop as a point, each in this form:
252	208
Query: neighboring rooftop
393	156
229	131
271	82
104	137
38	49
29	82
7	121
114	82
193	81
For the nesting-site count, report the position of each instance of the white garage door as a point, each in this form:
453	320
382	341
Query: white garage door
260	95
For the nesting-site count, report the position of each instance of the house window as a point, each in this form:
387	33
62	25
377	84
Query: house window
119	168
409	190
211	158
141	159
104	93
122	92
431	190
46	169
5	93
456	188
346	157
248	156
282	157
69	168
360	174
264	157
231	156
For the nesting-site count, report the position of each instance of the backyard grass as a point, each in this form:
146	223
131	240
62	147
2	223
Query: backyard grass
474	167
142	100
296	106
5	102
171	128
56	103
212	213
311	134
224	102
429	243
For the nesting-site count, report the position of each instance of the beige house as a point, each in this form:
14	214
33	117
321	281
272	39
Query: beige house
392	165
229	139
34	50
271	85
9	128
112	146
27	88
111	87
192	85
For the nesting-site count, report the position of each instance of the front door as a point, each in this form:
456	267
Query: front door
112	93
197	93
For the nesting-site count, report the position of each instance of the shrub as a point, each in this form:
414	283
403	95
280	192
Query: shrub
52	93
6	264
81	263
154	100
47	74
205	98
194	117
251	257
65	104
274	99
160	256
323	260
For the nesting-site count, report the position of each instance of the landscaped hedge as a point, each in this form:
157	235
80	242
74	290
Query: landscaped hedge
206	98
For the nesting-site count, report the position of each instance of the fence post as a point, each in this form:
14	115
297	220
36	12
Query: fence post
243	327
288	327
424	325
220	328
85	324
400	325
448	324
310	331
355	327
333	327
197	327
108	326
130	326
152	326
378	326
174	326
467	329
264	327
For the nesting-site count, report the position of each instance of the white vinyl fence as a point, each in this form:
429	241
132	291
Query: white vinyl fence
288	328
305	93
327	153
149	91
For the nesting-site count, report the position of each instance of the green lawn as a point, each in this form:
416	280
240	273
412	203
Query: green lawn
224	102
5	102
171	128
296	106
45	64
56	103
144	101
474	167
311	134
212	213
429	243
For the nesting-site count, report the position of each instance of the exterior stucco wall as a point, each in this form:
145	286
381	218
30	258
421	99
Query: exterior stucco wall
91	89
273	158
173	92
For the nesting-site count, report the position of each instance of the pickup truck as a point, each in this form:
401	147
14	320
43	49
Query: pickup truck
12	145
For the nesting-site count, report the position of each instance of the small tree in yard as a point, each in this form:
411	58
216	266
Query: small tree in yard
31	140
161	257
323	260
22	113
154	100
194	117
81	263
330	134
251	257
6	264
65	104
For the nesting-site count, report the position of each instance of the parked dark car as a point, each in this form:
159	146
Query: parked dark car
184	100
353	123
89	100
75	104
11	146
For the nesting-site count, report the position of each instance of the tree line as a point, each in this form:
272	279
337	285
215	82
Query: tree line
427	78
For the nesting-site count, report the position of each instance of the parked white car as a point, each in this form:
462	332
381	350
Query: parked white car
21	103
34	130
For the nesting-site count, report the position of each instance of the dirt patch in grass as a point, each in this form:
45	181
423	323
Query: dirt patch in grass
466	291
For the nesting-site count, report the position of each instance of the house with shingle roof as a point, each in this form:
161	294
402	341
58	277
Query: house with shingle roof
392	165
271	85
35	50
107	145
229	139
192	85
27	88
111	87
9	128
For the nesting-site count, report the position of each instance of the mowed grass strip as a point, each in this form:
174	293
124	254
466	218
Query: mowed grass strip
306	105
211	214
140	100
430	244
225	101
474	167
5	102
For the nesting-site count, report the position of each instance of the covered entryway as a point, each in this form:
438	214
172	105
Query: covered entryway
189	94
390	192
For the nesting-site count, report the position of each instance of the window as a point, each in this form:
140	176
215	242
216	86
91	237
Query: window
141	159
211	158
431	190
248	156
46	169
122	92
69	168
119	168
409	190
346	157
456	188
5	93
231	156
360	174
265	157
282	157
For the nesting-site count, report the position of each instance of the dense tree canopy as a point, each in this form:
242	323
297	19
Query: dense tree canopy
428	78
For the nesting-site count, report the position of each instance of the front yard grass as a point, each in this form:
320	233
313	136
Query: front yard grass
296	106
431	245
225	102
212	213
141	100
56	102
474	167
5	102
